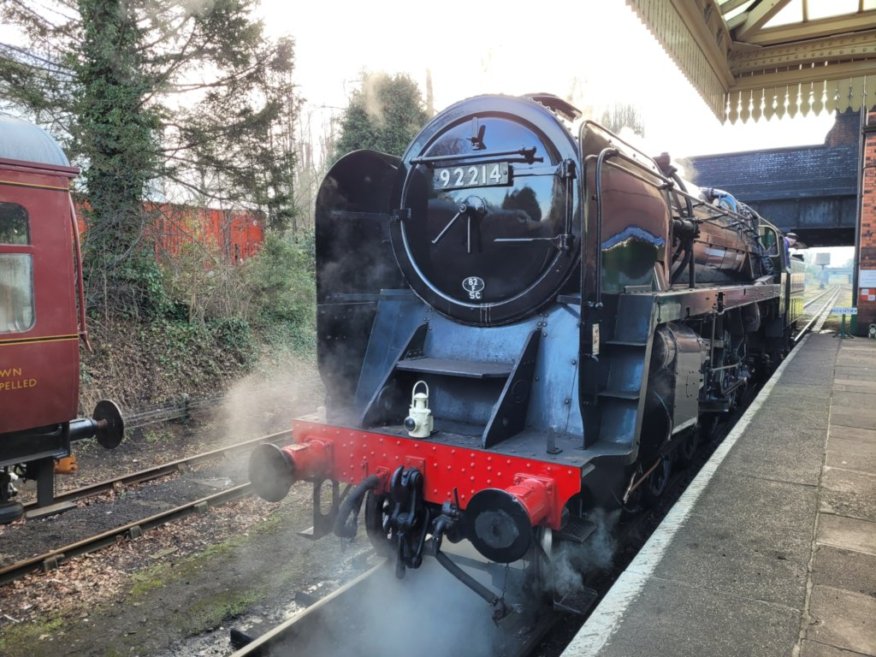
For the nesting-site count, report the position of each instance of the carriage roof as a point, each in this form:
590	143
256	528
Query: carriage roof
21	140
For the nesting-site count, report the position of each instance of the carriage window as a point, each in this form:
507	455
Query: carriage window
14	228
16	271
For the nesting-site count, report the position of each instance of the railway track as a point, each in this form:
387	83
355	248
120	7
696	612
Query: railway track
821	295
53	557
822	304
431	611
156	472
342	622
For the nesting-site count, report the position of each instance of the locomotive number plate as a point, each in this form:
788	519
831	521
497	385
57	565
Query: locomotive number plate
472	175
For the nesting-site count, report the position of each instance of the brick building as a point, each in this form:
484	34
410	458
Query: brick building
866	300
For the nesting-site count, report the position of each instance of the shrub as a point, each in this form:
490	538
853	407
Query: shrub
282	293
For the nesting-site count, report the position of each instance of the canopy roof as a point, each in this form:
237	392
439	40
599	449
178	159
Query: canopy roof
762	58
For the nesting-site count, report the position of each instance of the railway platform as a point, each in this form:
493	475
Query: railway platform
771	551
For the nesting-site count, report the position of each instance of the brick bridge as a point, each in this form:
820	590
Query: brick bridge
811	190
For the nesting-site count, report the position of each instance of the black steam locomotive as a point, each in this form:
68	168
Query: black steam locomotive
522	320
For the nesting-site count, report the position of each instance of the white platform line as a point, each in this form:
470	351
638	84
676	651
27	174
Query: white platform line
606	618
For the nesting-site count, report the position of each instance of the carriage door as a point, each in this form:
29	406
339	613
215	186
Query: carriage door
39	344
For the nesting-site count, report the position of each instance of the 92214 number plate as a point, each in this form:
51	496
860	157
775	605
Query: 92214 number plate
472	175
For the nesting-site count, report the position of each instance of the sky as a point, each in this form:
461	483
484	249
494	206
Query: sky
596	50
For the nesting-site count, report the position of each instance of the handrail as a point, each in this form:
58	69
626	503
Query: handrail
604	154
80	281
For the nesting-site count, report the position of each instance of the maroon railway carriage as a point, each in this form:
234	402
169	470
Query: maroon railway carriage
41	317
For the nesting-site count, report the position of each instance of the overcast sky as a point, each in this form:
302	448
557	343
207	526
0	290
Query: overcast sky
596	50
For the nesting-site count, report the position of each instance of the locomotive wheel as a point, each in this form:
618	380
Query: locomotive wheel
656	483
707	427
688	448
537	575
10	511
376	515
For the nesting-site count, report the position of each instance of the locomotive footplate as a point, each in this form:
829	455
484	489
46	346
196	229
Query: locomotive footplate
416	488
451	473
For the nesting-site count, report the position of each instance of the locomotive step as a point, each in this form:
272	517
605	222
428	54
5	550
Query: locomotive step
624	343
577	602
576	530
469	369
619	394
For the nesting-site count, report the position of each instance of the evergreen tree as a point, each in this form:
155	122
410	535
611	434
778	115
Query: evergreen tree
384	114
161	96
113	131
623	116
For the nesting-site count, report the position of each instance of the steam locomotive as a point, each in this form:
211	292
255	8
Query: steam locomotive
42	318
521	321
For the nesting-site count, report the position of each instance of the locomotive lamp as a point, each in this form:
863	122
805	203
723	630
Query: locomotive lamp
419	421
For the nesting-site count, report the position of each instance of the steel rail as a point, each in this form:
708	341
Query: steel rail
302	632
820	295
168	413
155	472
820	316
53	558
826	310
289	628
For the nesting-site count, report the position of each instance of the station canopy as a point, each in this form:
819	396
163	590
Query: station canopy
752	59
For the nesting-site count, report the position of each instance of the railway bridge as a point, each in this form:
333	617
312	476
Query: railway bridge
810	190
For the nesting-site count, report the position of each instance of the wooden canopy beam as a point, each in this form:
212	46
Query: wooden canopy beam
757	17
822	50
797	32
744	70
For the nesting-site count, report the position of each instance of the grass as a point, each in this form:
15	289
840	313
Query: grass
27	634
211	611
157	436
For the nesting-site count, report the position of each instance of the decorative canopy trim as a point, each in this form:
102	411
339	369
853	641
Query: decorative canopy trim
690	49
744	68
802	98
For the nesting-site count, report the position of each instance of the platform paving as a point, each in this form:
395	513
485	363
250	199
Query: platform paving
772	549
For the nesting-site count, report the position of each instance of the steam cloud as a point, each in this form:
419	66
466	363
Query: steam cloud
281	388
571	561
428	613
